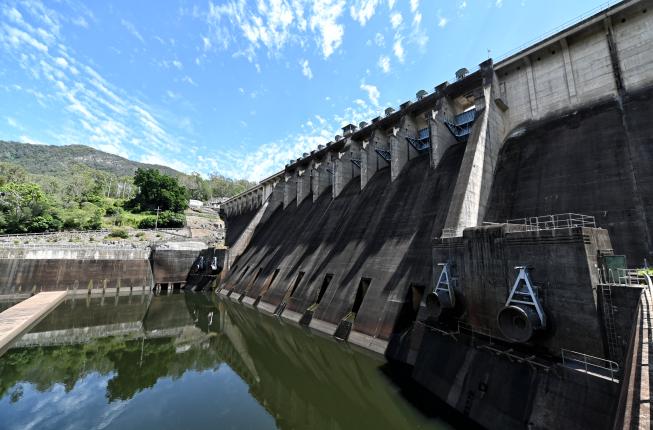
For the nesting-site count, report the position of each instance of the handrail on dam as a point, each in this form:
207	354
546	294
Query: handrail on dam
625	277
590	364
50	246
556	221
172	231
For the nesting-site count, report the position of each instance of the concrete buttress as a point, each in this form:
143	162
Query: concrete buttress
472	191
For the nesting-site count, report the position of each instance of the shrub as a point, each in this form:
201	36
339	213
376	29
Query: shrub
147	222
113	210
119	233
167	219
171	219
72	223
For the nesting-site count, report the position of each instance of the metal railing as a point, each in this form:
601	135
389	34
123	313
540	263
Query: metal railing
84	246
172	231
557	221
465	117
625	277
449	233
386	155
590	364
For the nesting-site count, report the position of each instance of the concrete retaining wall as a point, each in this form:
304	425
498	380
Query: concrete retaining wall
33	269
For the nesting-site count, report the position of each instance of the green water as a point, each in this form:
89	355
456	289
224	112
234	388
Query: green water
191	361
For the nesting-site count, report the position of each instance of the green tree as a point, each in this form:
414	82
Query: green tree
222	186
11	173
158	190
25	208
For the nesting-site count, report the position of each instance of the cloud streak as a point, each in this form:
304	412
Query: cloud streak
96	113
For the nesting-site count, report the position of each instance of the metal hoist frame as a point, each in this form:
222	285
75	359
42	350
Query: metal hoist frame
445	283
525	294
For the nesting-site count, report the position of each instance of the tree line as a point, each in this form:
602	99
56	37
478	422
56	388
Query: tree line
88	199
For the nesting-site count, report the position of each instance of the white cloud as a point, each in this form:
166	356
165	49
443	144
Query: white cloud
187	79
61	62
271	25
93	111
177	64
398	49
463	4
156	158
498	3
80	22
391	4
324	19
384	63
13	14
206	43
379	40
12	122
395	20
131	28
363	10
15	37
373	93
442	22
414	4
306	69
27	139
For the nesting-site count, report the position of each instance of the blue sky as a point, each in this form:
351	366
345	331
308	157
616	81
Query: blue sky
238	87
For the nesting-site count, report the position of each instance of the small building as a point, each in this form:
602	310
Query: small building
195	204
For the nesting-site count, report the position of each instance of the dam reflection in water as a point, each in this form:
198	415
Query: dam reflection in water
192	361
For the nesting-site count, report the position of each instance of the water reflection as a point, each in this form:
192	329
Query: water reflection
191	361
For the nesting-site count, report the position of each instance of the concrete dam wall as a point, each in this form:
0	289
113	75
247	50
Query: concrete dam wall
482	233
597	160
381	233
52	268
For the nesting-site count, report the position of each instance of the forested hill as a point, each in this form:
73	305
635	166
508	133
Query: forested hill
61	160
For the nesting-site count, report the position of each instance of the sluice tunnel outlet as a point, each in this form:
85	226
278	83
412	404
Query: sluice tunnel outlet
476	257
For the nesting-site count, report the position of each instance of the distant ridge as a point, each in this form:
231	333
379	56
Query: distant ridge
55	160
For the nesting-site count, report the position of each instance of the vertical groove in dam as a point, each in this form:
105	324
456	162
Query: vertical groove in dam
382	232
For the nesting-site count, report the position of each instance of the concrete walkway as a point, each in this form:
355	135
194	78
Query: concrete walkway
15	320
638	403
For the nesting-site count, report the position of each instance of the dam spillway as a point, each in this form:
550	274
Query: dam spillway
535	166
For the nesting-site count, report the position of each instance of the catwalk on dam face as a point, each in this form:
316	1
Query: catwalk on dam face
200	362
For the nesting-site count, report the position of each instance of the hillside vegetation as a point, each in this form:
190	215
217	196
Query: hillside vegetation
50	188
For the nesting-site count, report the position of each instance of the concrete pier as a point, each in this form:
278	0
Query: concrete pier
15	320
